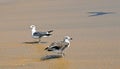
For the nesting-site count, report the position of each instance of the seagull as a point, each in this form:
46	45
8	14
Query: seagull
59	46
39	35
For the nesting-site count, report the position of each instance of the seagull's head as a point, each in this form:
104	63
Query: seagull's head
32	26
68	38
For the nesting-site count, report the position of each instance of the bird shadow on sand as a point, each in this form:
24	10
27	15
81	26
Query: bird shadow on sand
99	13
48	57
34	42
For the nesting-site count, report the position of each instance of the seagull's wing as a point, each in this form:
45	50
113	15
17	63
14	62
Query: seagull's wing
40	34
36	33
57	45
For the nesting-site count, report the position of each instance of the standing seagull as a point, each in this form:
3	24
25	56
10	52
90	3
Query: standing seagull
59	46
39	35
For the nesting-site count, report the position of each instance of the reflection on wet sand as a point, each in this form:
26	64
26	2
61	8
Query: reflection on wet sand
57	63
60	63
35	42
29	56
50	57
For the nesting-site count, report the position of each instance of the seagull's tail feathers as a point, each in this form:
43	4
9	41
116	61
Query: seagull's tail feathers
48	34
48	49
50	31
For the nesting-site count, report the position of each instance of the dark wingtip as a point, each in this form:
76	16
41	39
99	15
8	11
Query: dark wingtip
46	48
50	31
48	34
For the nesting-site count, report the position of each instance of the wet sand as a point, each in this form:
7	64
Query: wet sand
96	39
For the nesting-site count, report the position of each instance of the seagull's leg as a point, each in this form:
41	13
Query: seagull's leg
39	40
58	52
61	53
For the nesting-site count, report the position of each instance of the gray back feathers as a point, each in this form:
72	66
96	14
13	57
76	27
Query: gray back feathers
58	45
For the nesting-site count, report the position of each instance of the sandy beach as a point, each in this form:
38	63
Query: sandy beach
93	25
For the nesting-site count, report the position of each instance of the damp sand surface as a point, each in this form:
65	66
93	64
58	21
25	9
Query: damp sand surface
96	36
